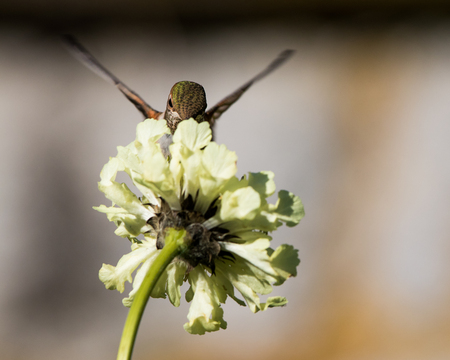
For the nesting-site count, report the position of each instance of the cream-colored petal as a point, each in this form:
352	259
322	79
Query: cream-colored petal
192	135
205	313
114	277
217	168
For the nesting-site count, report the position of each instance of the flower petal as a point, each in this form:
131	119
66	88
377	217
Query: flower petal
254	252
176	272
158	290
242	204
289	208
191	163
263	183
151	130
157	176
128	225
109	171
121	195
255	267
274	301
205	313
193	135
245	279
285	261
218	167
114	277
133	167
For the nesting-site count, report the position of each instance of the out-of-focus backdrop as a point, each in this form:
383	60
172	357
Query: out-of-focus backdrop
357	124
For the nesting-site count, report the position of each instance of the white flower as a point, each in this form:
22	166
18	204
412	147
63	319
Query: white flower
227	219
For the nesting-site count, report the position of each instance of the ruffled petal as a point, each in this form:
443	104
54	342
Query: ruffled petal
254	252
192	135
263	183
191	163
205	313
289	208
217	168
109	171
128	225
244	278
242	204
285	261
158	290
150	130
120	194
176	272
274	301
157	176
255	267
114	277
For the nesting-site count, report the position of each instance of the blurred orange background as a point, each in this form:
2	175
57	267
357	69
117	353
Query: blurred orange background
356	124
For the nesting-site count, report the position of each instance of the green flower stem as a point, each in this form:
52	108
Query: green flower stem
175	243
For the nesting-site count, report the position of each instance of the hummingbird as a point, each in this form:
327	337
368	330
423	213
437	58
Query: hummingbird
186	99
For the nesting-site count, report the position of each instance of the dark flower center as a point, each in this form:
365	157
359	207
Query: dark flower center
204	247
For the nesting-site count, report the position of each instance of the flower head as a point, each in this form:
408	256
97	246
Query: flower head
226	219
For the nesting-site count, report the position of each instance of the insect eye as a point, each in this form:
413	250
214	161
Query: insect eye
170	102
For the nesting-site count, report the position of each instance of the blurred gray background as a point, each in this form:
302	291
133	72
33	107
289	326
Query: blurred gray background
356	124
